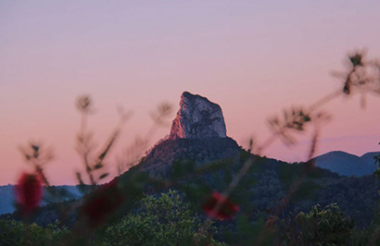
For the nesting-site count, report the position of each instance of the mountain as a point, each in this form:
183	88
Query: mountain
369	158
197	117
347	164
269	180
7	199
198	134
198	158
7	195
200	151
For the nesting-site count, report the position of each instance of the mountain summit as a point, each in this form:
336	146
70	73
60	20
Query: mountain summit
198	118
198	134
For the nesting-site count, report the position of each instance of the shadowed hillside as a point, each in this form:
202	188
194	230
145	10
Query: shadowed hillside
201	151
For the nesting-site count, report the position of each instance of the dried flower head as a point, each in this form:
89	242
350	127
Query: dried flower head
84	104
356	59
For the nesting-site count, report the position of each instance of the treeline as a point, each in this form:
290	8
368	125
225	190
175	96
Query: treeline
167	219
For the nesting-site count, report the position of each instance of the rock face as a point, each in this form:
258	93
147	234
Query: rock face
198	118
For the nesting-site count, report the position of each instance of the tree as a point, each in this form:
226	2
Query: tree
163	220
16	233
326	226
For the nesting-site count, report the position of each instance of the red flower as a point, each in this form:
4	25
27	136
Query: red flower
28	192
226	210
101	203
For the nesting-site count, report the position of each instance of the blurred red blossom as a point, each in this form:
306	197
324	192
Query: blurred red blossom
28	192
226	210
101	203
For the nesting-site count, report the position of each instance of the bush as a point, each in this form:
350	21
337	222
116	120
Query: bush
14	233
163	220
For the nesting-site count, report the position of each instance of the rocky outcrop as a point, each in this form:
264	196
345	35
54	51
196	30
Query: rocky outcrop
198	118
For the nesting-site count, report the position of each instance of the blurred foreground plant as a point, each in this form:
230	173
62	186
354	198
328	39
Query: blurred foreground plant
28	193
104	201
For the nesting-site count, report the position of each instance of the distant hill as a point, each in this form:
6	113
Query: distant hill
7	196
261	188
269	180
347	164
199	158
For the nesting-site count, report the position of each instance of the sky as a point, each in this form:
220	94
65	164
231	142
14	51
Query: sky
253	58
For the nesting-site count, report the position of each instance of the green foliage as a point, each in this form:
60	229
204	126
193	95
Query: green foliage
14	233
249	233
164	220
327	226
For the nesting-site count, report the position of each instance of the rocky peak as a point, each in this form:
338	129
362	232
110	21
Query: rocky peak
198	118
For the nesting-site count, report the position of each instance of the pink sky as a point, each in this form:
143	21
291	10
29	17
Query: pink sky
254	59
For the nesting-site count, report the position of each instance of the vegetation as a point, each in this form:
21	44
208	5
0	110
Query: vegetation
157	220
14	233
163	220
224	194
327	226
